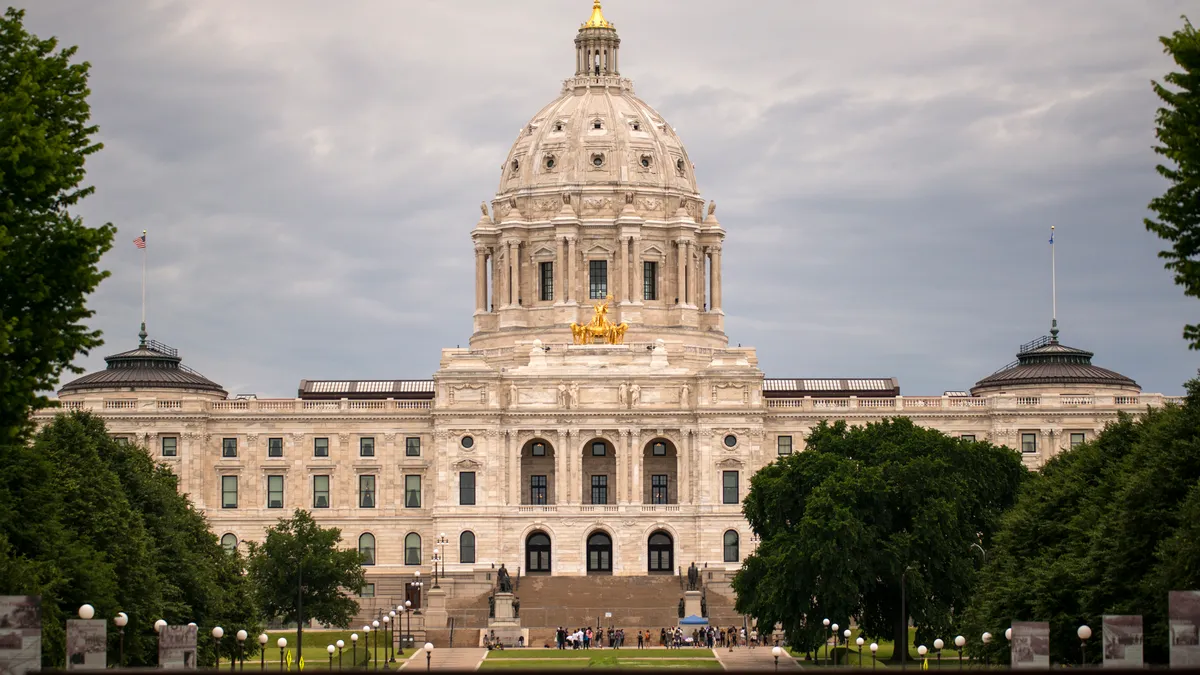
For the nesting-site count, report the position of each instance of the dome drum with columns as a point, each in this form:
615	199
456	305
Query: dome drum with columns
598	197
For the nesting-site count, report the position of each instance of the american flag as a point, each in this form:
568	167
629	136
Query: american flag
140	242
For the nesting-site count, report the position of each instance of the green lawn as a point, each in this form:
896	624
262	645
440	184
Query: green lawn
886	649
316	655
612	659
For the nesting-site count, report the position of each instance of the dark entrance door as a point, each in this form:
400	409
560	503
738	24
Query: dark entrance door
599	554
662	553
537	553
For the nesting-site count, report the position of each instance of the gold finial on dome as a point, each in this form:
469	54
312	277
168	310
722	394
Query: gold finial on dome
597	19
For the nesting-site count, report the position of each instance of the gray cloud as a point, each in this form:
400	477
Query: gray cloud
887	173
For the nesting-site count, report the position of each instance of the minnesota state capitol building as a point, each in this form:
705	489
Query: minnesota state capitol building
598	424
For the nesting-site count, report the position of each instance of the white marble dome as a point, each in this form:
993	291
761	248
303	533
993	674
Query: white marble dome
597	136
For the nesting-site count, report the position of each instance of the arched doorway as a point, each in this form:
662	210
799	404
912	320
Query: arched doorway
599	469
599	553
662	553
537	553
537	473
660	472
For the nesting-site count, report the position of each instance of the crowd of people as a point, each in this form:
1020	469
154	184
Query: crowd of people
711	637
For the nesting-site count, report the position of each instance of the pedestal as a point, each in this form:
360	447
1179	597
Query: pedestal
505	625
691	603
435	609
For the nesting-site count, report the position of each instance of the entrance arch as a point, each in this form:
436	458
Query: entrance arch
661	549
599	553
537	553
599	469
660	472
538	480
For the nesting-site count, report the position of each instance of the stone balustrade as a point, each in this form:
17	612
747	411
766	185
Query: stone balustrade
1001	402
146	405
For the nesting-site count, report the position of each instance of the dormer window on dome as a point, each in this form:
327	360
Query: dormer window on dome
550	162
597	123
646	161
516	166
598	159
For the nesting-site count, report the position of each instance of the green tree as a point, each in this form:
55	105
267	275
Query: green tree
88	519
1108	527
48	257
1177	127
300	573
841	523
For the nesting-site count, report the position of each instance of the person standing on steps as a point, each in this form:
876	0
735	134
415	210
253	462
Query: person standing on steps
639	639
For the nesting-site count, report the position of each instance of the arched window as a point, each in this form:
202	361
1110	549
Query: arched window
412	549
466	547
366	547
731	546
229	542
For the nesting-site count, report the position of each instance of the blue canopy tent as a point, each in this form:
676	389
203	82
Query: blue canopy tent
693	620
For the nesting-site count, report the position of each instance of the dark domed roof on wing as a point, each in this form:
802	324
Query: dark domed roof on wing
152	365
1047	362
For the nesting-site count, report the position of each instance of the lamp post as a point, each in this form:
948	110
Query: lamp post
408	611
937	647
846	634
874	661
282	644
375	632
439	545
1084	633
354	649
834	631
340	644
776	651
218	633
922	650
241	642
859	642
392	636
986	638
428	655
387	632
121	619
416	585
825	622
262	652
959	641
330	649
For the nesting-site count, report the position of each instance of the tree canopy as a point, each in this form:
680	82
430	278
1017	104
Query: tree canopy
300	573
1177	127
88	519
841	522
48	257
1108	527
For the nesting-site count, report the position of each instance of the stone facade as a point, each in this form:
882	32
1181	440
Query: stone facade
658	435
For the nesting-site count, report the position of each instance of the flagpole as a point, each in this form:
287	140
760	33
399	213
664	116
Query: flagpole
1053	291
143	286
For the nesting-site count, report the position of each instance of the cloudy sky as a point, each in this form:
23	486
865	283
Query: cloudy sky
887	173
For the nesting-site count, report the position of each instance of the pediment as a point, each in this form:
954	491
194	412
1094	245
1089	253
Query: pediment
598	249
468	465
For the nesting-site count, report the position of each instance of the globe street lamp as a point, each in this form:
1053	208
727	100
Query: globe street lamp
121	619
921	652
86	612
282	644
241	642
987	657
937	646
428	655
262	652
217	634
776	651
375	632
441	542
354	649
407	610
859	642
833	630
874	661
825	622
392	636
387	631
330	649
416	585
340	644
1084	633
1008	633
959	641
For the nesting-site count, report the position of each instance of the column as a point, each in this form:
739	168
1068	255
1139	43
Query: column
702	282
639	269
572	255
514	264
627	288
680	269
497	280
560	467
716	277
480	279
560	293
635	442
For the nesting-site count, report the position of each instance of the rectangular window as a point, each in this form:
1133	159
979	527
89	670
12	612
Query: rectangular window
659	449
412	447
546	288
320	492
229	447
597	279
412	492
729	487
366	447
537	489
229	492
320	447
658	489
274	447
466	488
1028	442
1076	439
599	489
274	492
598	449
968	437
649	280
170	446
366	492
783	445
538	450
367	591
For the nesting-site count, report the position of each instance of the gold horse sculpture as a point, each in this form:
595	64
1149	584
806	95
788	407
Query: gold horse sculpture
600	328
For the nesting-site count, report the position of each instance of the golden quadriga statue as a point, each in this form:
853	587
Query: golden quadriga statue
600	329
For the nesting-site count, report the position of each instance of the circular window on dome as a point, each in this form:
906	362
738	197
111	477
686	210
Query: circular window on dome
646	161
730	440
598	160
467	442
550	162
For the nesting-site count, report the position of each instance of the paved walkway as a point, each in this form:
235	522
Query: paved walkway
759	658
446	658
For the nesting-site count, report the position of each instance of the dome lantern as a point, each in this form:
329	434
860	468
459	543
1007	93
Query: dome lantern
596	47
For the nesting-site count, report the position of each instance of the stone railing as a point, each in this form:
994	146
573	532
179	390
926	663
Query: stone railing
243	406
1001	402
